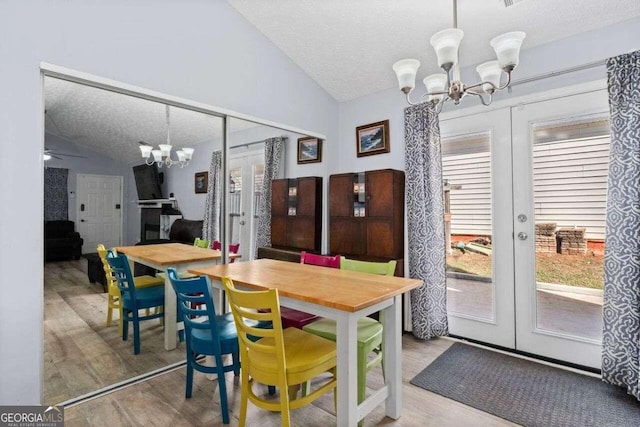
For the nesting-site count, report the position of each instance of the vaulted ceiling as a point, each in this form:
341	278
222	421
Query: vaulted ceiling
348	46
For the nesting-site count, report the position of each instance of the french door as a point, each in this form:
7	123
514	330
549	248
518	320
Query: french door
246	174
525	195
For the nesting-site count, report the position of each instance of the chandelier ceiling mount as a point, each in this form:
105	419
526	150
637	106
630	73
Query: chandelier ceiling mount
448	86
162	156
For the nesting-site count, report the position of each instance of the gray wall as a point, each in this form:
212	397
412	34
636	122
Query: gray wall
196	49
94	164
390	104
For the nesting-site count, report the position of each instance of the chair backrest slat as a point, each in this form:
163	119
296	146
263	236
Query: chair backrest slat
119	264
195	302
321	260
381	268
253	338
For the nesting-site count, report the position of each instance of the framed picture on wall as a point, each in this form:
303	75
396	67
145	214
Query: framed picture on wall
372	138
201	182
309	150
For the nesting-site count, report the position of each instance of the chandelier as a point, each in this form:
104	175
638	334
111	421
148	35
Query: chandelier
162	156
448	86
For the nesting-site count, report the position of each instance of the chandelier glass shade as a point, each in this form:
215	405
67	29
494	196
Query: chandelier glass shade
448	86
162	155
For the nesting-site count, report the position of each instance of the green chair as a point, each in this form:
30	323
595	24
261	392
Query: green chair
369	330
201	243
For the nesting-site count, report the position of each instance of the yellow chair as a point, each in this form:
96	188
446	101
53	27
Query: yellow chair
273	356
113	297
369	330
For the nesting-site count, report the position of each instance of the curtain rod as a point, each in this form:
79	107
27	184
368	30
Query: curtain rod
559	73
246	145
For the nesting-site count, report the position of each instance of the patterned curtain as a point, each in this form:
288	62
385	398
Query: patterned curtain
425	220
56	197
621	329
211	223
273	154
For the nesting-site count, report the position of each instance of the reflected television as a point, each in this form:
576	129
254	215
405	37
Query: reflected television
147	182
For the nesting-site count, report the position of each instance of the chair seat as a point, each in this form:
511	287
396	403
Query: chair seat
369	330
147	297
202	339
303	351
295	318
147	281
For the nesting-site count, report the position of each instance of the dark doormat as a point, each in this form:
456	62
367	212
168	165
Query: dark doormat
525	392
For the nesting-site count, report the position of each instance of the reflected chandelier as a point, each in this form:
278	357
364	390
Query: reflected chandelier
449	87
163	155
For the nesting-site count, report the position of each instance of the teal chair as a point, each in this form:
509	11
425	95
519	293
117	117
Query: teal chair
134	299
205	334
369	330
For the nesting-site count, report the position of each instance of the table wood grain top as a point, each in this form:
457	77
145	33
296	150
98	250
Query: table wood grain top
170	253
331	287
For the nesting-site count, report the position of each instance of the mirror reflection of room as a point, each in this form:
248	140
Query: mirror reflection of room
107	182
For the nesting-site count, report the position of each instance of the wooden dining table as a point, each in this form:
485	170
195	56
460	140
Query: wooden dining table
344	296
180	256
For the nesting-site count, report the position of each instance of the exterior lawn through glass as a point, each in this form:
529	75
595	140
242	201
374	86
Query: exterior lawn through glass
571	270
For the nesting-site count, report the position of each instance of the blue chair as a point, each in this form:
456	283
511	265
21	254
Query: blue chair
205	333
134	299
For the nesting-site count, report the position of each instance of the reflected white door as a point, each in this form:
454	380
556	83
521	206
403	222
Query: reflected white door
246	174
99	210
476	158
560	163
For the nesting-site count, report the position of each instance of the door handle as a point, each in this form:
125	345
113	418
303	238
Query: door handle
241	222
522	235
82	220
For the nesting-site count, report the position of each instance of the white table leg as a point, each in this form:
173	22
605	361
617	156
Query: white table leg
347	347
170	304
393	357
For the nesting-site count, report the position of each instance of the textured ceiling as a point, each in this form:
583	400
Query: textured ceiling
348	46
111	124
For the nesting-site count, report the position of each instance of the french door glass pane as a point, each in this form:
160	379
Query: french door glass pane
235	203
570	167
466	170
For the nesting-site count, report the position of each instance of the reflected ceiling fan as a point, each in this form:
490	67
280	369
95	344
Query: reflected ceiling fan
49	154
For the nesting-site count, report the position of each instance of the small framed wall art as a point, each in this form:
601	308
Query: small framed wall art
201	182
372	139
309	150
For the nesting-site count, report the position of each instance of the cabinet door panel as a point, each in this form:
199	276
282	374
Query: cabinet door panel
300	233
341	195
278	231
306	196
380	238
347	236
279	196
379	188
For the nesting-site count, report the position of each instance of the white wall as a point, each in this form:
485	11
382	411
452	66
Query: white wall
195	49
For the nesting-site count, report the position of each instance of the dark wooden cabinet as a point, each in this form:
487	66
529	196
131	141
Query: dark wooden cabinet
366	215
296	213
